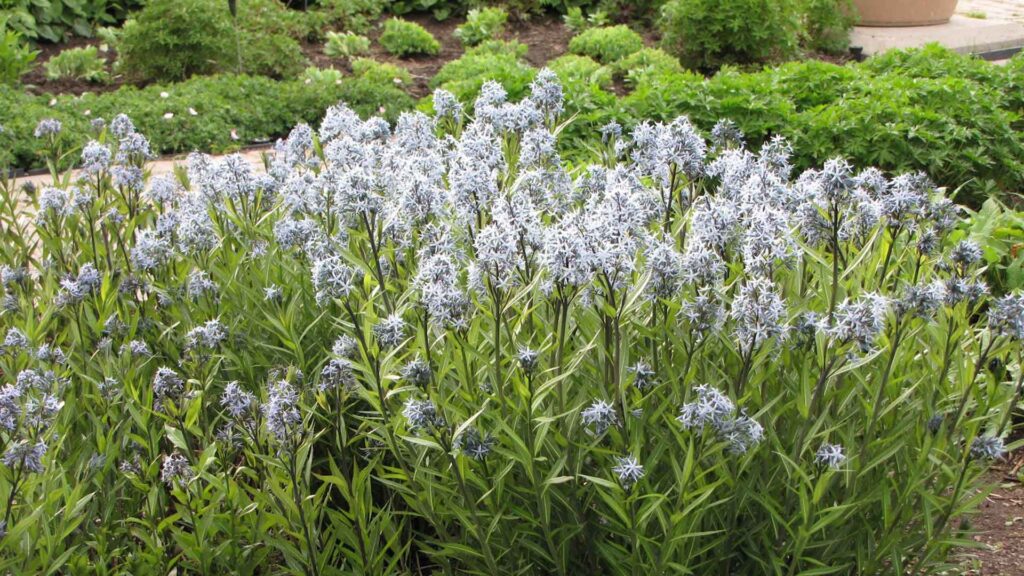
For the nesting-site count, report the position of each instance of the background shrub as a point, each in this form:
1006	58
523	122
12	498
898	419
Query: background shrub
16	57
494	60
606	44
229	111
482	24
346	44
83	63
827	24
707	34
175	39
403	38
55	20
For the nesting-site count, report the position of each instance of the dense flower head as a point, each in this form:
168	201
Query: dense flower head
628	470
281	411
1006	316
860	321
422	415
390	331
417	372
237	401
643	375
830	456
47	127
176	470
599	417
95	157
167	384
759	313
476	444
987	448
209	336
26	455
332	278
446	105
546	93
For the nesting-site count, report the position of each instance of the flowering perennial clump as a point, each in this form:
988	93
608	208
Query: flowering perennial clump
441	347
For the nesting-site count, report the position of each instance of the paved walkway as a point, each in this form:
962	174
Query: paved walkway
992	9
991	27
160	166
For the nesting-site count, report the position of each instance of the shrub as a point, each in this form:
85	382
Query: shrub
78	63
827	24
403	38
380	72
55	20
16	58
174	39
643	63
606	45
500	61
346	45
577	22
575	70
355	16
229	111
706	34
480	25
687	357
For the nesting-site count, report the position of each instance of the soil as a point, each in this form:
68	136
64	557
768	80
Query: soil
546	36
998	525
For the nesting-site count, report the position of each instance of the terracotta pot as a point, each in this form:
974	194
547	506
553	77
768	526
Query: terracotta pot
904	12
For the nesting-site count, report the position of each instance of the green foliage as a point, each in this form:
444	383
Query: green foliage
78	63
827	24
380	72
16	57
346	44
576	21
230	111
440	9
643	63
175	39
318	76
707	34
172	40
1000	230
480	25
355	16
692	372
606	45
55	20
404	38
494	60
575	70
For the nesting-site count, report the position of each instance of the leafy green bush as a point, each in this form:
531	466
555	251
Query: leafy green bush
827	24
480	25
707	34
404	38
436	348
608	44
55	20
573	70
211	113
380	72
645	62
16	57
346	44
78	63
494	60
174	39
355	16
576	21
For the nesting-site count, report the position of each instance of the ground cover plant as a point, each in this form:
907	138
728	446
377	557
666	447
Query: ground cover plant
434	348
404	38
